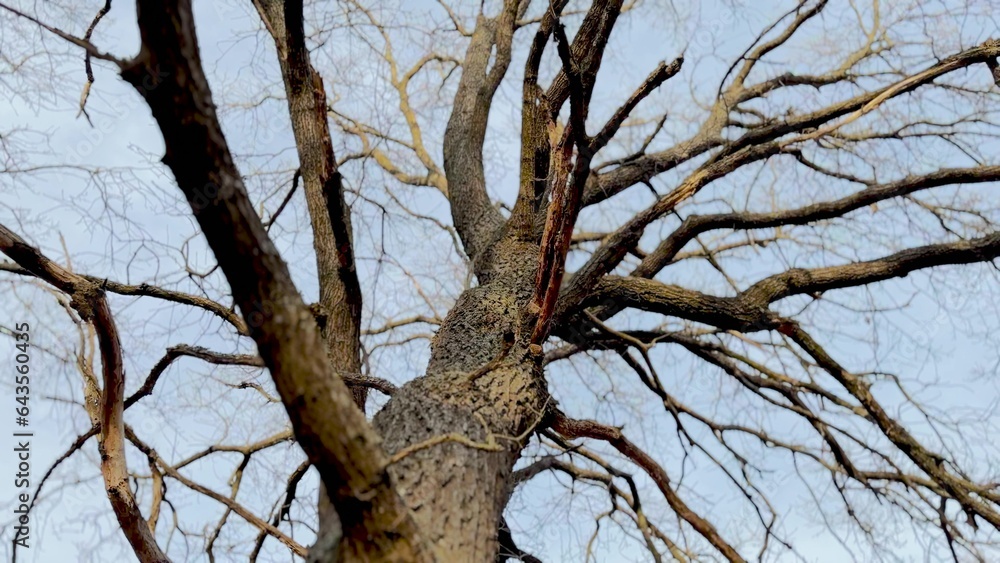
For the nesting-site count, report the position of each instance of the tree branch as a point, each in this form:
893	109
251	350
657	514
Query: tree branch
645	167
874	193
329	427
749	310
89	301
570	428
566	190
146	290
661	74
229	503
968	495
587	52
330	217
477	221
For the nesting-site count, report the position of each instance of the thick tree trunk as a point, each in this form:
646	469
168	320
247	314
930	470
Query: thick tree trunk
454	434
482	384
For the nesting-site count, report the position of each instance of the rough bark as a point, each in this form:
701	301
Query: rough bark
484	385
457	431
329	214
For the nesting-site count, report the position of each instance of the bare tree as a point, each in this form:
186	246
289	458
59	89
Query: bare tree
829	178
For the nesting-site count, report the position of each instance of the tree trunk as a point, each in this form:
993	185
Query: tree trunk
483	384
